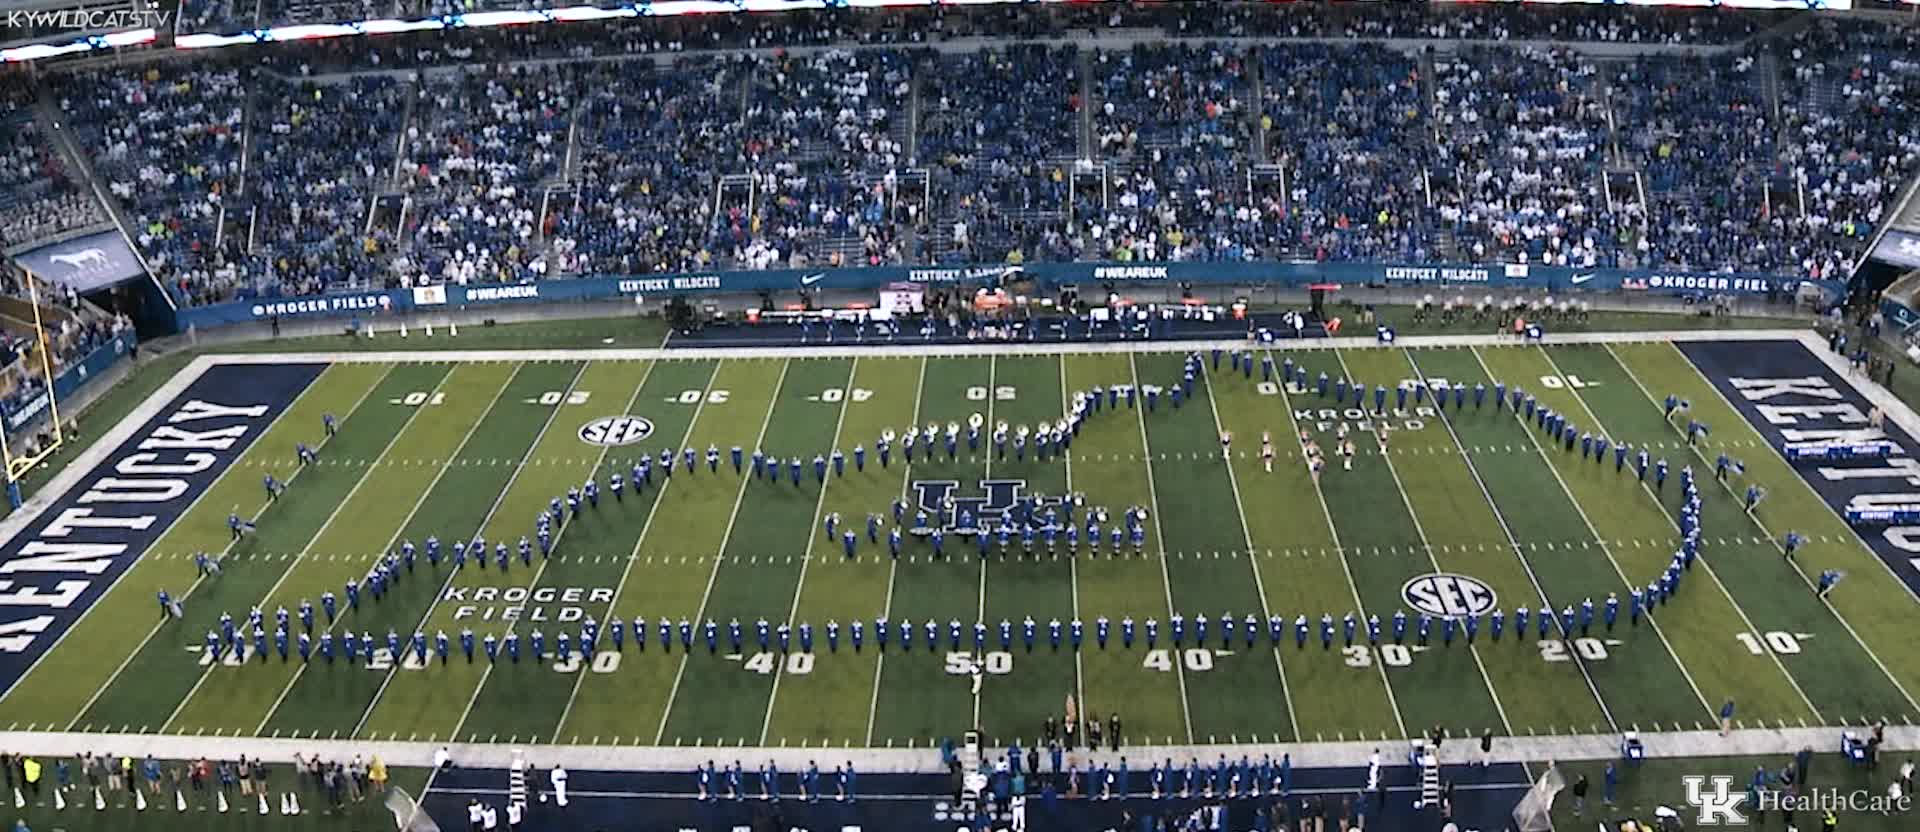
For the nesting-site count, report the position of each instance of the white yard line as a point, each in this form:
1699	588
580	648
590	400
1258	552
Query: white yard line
1512	541
1073	561
1704	563
1400	488
487	672
133	422
1340	549
324	525
659	494
1253	558
1160	541
532	448
417	503
720	555
893	568
980	610
1601	541
813	536
1775	541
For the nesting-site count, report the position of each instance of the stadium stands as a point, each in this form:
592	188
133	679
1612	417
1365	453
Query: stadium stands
831	138
651	140
167	142
997	136
38	199
321	152
1519	174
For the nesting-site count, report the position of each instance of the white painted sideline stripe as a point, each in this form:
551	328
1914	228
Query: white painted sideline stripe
1747	742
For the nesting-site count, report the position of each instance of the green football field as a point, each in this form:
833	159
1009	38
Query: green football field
451	448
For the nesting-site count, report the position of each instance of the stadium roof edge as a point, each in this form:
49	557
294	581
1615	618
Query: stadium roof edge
52	48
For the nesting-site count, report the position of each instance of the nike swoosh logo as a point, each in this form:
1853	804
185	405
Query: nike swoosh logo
1582	278
811	279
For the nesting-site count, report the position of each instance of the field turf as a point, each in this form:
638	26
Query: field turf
451	448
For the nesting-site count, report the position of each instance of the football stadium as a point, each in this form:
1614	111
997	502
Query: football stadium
787	415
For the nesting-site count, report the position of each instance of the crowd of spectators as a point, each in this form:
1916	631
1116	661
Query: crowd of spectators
1850	106
936	23
481	141
1703	134
38	199
1477	21
651	138
826	133
167	143
1777	155
320	152
1349	124
1518	176
996	135
1171	121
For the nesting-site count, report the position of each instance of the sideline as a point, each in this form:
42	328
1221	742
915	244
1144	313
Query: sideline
1750	742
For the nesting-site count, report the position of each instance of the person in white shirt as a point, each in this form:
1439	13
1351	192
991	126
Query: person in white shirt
443	759
514	813
474	815
558	777
489	819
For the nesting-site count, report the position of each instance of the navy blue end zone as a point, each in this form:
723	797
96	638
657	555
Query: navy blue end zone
67	558
1483	799
1042	329
1790	395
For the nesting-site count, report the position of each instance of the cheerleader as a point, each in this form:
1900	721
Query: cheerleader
1314	464
1346	455
1386	432
1226	445
1266	451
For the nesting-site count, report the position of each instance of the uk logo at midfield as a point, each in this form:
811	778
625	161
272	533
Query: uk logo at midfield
1000	502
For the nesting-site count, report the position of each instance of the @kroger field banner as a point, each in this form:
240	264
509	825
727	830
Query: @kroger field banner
1462	278
86	263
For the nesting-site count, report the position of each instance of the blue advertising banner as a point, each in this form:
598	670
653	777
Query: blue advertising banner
1251	275
61	564
84	264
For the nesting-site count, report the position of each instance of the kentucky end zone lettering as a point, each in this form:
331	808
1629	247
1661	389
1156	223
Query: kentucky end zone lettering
1791	396
64	560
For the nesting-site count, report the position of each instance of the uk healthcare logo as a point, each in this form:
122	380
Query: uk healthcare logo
1721	806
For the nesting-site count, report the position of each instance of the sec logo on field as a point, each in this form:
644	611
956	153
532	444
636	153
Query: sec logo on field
613	431
1448	595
